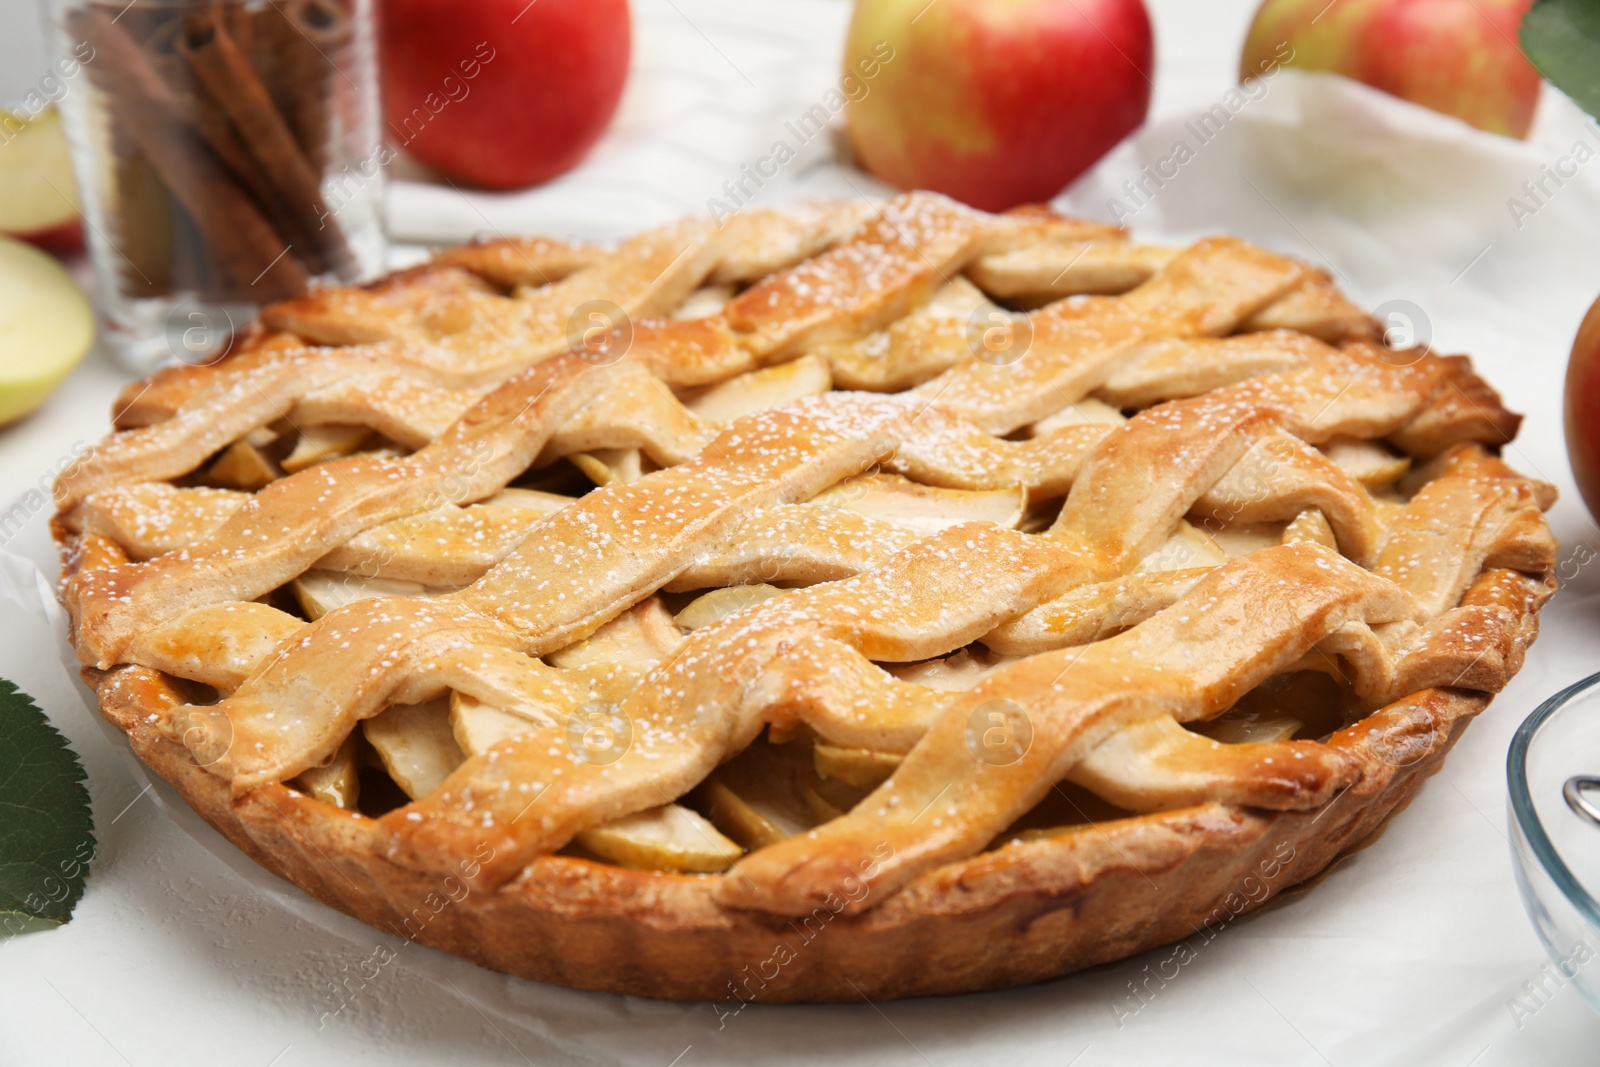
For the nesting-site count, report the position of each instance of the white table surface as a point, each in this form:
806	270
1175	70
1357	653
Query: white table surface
172	957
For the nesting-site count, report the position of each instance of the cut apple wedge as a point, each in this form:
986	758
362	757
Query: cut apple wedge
318	444
1367	462
922	507
642	636
704	302
1085	412
762	389
320	592
606	465
38	197
720	603
1244	730
1242	538
478	727
755	823
1304	703
952	674
1189	546
856	766
241	466
668	838
757	797
338	782
46	327
416	745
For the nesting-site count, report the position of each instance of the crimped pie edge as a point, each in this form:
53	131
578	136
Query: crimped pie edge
1012	916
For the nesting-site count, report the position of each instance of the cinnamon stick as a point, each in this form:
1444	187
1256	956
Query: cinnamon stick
219	134
195	267
296	51
323	29
143	230
246	246
140	20
224	72
271	49
240	23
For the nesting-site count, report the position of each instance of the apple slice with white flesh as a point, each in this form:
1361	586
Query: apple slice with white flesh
757	820
762	389
38	197
606	465
337	782
320	591
924	508
865	767
720	603
478	727
318	444
46	327
241	466
416	744
668	838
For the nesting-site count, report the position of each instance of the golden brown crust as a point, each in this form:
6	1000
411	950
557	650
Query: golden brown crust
1338	568
1014	915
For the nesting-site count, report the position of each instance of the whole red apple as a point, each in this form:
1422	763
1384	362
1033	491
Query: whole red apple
1459	57
502	93
994	102
1583	409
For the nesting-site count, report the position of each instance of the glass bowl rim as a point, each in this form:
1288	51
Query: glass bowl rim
1522	807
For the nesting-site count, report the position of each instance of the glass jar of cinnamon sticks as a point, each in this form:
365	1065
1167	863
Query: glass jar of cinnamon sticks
227	153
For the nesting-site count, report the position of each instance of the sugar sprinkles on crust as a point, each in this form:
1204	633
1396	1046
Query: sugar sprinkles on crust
1203	482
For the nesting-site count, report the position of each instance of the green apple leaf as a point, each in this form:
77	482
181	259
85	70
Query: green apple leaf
46	831
1562	39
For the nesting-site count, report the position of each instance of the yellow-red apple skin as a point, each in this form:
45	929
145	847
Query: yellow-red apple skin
38	195
1582	409
1458	57
995	102
62	240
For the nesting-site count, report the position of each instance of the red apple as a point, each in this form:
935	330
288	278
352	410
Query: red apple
1456	56
38	198
502	93
1583	409
994	102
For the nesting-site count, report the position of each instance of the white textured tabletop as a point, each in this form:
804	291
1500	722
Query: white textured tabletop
1414	951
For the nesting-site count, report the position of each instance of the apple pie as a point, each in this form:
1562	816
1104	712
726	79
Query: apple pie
843	600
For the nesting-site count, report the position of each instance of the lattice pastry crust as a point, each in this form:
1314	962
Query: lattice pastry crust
849	600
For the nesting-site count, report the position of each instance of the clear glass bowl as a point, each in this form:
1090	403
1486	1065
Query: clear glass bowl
1553	774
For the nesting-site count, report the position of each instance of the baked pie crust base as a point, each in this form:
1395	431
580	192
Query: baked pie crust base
796	927
1008	917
